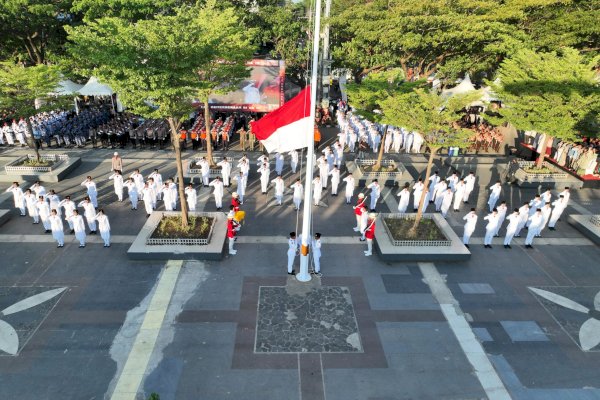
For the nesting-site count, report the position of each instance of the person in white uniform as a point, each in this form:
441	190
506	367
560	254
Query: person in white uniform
18	197
217	184
117	179
375	193
317	189
279	186
470	223
546	212
459	194
53	201
514	220
91	191
559	206
191	197
447	198
523	216
69	207
535	223
30	201
298	193
469	186
495	191
166	195
241	185
433	180
132	193
56	225
90	212
417	193
138	179
502	209
293	160
438	194
404	199
104	226
279	160
78	227
225	170
452	181
349	188
264	172
204	170
147	195
44	212
490	228
316	253
38	189
335	180
158	183
323	170
292	252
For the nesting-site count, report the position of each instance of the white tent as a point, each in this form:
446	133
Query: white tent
67	87
465	86
95	88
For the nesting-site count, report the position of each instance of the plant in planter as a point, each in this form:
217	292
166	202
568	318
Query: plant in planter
435	118
156	60
556	94
25	91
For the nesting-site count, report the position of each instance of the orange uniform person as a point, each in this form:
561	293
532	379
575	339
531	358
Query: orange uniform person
317	137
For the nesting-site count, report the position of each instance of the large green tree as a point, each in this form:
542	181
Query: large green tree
435	118
166	61
25	91
437	36
32	29
554	93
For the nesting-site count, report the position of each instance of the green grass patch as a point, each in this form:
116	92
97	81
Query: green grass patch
426	230
170	228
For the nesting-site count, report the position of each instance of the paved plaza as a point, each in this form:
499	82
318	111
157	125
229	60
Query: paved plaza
92	324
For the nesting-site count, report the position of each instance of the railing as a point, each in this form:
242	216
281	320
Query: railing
57	159
556	173
398	167
595	219
183	241
420	243
212	171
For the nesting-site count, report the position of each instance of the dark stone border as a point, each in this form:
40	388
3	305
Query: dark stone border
583	224
388	252
139	250
4	216
56	175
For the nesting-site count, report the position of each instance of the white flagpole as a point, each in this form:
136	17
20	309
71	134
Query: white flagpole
303	275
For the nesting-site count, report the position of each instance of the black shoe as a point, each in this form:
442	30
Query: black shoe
72	231
47	231
508	246
496	235
552	229
517	235
292	273
414	210
467	246
466	202
362	240
528	246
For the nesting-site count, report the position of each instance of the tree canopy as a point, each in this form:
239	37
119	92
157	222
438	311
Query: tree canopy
556	93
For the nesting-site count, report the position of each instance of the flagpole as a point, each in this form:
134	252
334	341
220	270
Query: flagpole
303	275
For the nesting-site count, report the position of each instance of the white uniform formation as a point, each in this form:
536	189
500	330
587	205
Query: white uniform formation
354	129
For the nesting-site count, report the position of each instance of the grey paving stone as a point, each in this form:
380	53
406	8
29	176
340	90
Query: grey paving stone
483	334
404	284
476	288
524	331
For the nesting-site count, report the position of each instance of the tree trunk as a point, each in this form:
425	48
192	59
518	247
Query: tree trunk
180	187
377	165
209	149
542	156
413	231
31	140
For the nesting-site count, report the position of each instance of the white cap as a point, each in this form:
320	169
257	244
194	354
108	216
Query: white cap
115	154
234	194
361	195
372	215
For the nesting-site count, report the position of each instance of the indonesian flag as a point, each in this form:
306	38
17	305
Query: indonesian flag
287	128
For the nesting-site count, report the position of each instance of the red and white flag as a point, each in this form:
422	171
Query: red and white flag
287	128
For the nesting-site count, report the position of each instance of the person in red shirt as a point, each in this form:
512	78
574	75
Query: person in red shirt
357	210
235	202
370	233
231	233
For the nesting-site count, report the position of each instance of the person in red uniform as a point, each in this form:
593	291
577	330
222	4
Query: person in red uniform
236	203
370	233
357	210
231	233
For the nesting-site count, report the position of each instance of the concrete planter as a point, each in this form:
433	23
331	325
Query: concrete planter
390	249
62	165
146	248
588	225
388	178
557	178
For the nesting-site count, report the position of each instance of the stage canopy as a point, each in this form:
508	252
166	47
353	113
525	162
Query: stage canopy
95	88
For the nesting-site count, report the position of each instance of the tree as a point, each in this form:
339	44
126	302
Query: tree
30	29
554	93
435	118
22	87
166	61
367	96
425	37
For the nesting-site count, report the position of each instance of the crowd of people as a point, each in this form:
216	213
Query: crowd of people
580	158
